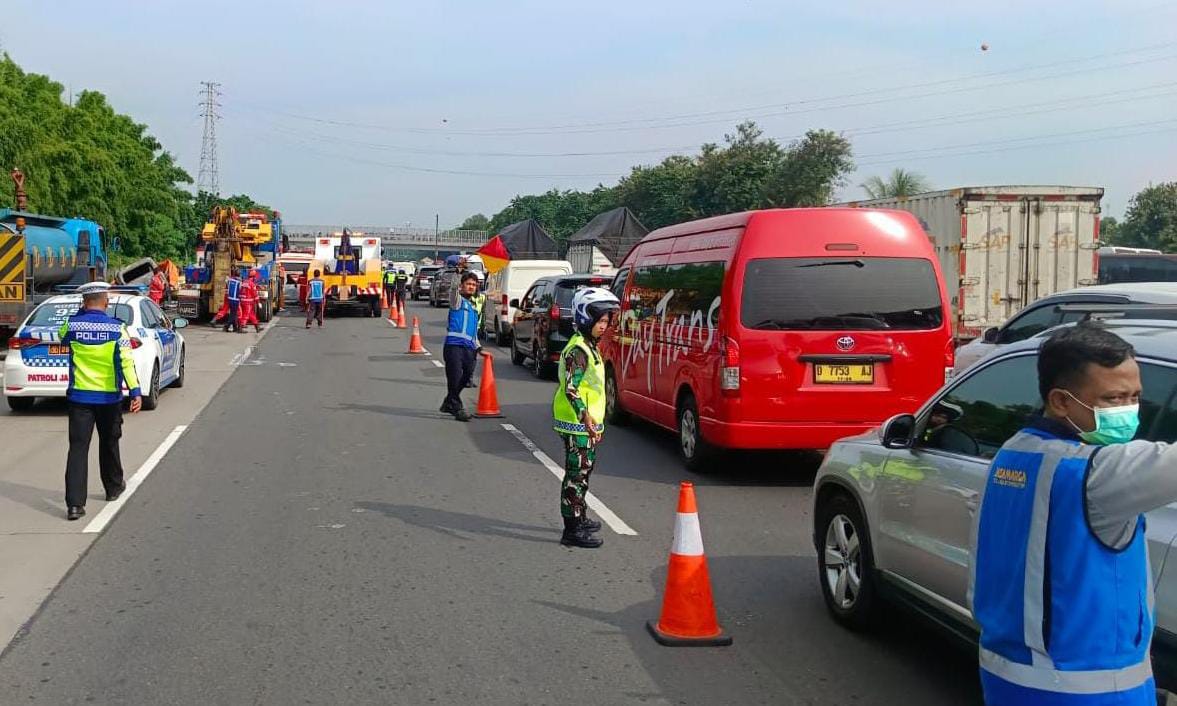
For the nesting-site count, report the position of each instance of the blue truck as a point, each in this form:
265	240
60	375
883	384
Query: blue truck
40	254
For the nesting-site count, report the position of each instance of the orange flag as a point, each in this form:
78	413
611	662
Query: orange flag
494	255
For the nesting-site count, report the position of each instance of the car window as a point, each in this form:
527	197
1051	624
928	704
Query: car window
1030	323
159	315
543	295
1158	402
54	313
527	298
976	416
150	320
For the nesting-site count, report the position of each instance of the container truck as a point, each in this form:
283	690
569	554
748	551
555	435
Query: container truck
1003	247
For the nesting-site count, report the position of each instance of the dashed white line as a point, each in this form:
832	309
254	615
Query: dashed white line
437	363
241	357
607	516
111	509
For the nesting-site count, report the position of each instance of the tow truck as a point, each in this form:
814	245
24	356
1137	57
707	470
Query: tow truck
349	264
246	241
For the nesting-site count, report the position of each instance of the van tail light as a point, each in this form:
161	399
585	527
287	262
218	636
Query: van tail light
15	344
506	308
949	358
554	313
136	343
729	376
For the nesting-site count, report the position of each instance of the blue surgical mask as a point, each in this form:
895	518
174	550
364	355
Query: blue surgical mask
1113	425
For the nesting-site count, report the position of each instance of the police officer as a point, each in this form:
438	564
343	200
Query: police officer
402	285
461	345
1060	581
390	287
100	365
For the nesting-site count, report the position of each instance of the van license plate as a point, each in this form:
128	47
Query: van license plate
58	349
858	374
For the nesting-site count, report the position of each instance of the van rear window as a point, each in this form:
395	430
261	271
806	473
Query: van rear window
857	294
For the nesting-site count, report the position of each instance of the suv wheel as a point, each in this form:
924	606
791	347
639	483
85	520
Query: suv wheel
537	362
517	358
151	399
844	562
179	381
692	448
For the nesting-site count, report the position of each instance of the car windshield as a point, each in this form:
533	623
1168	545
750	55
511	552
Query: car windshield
55	313
869	293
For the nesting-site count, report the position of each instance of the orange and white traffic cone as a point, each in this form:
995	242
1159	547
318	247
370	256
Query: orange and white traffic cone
392	316
415	346
400	315
488	397
383	298
688	610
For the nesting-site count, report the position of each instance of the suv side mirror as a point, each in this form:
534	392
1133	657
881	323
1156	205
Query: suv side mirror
514	303
898	432
991	335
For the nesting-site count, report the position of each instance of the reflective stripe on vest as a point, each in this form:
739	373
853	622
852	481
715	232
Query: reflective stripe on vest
1033	545
592	391
316	291
462	326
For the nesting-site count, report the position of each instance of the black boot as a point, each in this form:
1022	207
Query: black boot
575	535
589	525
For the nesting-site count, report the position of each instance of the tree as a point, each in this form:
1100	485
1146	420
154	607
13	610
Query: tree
1109	230
476	222
1151	219
900	182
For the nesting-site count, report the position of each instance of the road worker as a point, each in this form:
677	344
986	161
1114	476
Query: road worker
461	345
249	298
578	409
100	366
1060	581
316	299
233	296
158	286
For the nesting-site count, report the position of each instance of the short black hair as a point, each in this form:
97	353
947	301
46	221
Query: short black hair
468	276
316	273
1064	356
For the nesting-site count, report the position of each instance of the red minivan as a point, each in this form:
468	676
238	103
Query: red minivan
778	329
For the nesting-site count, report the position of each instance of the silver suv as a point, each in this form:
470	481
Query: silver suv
893	508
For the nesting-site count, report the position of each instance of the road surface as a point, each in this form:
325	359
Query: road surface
320	534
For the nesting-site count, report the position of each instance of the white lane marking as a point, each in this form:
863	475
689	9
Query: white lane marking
607	516
241	357
107	513
437	363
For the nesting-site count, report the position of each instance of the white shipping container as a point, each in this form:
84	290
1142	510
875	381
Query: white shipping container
589	260
1004	247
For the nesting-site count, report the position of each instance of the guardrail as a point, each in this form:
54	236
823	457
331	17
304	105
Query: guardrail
422	237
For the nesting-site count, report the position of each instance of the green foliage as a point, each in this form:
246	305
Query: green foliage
1109	230
748	172
87	160
476	222
1151	219
900	182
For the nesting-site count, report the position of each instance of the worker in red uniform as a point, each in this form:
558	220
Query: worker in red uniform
249	296
303	283
157	287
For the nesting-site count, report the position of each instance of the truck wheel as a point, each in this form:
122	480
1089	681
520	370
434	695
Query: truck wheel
267	311
21	404
151	399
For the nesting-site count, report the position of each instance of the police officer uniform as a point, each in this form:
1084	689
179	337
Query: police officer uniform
100	365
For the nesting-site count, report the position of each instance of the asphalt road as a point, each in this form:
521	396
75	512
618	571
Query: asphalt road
321	534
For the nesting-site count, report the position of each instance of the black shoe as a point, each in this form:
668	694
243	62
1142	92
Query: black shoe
447	408
470	384
575	535
589	525
75	511
111	497
462	415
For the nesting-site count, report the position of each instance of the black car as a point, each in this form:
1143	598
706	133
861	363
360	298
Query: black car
543	320
422	281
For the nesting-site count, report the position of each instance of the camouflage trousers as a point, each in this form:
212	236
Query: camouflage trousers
580	453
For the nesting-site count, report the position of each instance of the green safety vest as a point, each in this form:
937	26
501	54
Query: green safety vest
478	300
592	391
389	277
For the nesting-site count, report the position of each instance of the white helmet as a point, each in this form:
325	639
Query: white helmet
591	303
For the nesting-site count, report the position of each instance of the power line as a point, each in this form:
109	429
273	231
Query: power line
777	109
208	179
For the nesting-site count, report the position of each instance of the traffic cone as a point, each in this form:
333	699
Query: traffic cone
488	398
392	317
383	299
415	346
688	611
400	315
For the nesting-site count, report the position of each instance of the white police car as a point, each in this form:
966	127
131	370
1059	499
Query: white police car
38	363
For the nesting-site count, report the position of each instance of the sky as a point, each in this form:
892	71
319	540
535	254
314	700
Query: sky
378	112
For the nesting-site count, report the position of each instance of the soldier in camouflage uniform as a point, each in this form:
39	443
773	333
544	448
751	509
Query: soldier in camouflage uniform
579	411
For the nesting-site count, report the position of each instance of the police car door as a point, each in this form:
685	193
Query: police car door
159	336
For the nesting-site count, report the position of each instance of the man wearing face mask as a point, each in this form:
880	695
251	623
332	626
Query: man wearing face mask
1060	582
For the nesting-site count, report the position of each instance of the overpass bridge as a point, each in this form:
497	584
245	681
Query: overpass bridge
392	236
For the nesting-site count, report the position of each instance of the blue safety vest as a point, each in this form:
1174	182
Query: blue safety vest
1064	618
316	291
462	327
234	290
